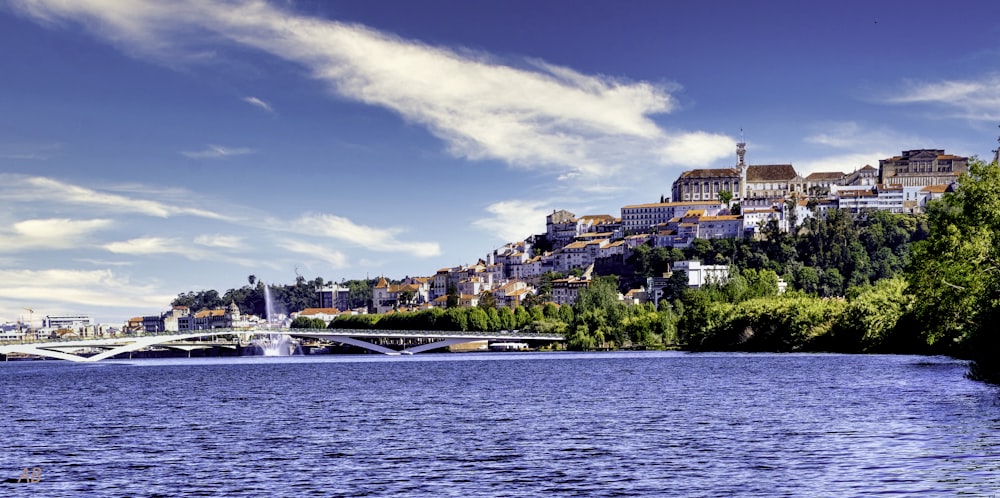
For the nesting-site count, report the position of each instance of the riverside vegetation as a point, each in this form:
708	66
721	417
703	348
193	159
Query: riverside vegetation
871	282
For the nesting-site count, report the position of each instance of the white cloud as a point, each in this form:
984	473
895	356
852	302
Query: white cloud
974	99
844	163
333	257
697	149
217	151
254	101
852	135
51	233
152	245
20	188
514	219
376	239
530	114
78	289
220	241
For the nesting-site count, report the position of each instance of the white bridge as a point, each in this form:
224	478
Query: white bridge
111	347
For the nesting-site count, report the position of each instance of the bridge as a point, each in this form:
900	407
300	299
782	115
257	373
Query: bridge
81	350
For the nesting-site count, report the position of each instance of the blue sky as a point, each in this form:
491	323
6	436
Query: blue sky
150	148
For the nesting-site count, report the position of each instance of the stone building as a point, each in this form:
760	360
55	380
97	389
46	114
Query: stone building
705	184
922	167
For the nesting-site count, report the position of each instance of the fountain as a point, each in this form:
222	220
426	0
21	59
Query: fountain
274	344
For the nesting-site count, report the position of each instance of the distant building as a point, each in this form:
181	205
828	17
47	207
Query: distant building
700	275
706	184
639	218
922	167
819	183
867	175
66	321
773	181
334	296
566	290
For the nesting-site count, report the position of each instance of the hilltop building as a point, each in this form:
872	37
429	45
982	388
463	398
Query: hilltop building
705	184
922	167
772	182
334	296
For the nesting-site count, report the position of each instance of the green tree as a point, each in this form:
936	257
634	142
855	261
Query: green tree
453	298
478	320
487	300
954	275
725	196
507	321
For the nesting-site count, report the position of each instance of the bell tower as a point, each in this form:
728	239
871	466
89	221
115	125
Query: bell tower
741	167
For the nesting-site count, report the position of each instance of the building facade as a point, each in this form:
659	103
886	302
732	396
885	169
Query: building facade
922	167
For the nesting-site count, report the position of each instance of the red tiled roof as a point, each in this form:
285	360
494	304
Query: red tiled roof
770	172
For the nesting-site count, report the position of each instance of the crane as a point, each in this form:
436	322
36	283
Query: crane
31	317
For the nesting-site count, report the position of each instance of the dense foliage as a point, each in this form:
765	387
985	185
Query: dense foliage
955	275
285	298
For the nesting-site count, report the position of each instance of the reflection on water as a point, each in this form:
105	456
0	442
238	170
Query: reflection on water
502	425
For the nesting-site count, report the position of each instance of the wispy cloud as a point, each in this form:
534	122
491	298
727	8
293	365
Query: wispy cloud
156	246
153	245
844	163
852	135
973	99
336	259
254	101
376	239
217	152
527	113
49	234
78	289
28	152
856	144
21	188
514	219
220	241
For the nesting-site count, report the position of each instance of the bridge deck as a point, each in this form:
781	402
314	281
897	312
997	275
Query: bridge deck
113	346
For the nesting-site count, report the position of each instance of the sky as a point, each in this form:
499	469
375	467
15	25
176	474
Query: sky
152	148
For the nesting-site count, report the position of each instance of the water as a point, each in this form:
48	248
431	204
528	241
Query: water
274	344
277	345
507	424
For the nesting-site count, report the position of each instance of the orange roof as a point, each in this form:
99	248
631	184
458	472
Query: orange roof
935	189
672	204
319	311
828	175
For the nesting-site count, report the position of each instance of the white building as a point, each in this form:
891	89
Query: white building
700	275
645	217
66	321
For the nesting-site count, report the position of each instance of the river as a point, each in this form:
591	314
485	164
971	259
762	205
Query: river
503	424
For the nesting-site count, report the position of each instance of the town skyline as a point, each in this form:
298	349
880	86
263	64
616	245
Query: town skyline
148	150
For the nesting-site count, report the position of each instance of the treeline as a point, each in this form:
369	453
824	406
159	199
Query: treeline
944	300
827	255
286	298
598	320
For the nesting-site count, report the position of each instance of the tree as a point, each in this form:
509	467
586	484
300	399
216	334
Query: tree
452	297
954	275
725	196
507	321
406	297
487	300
